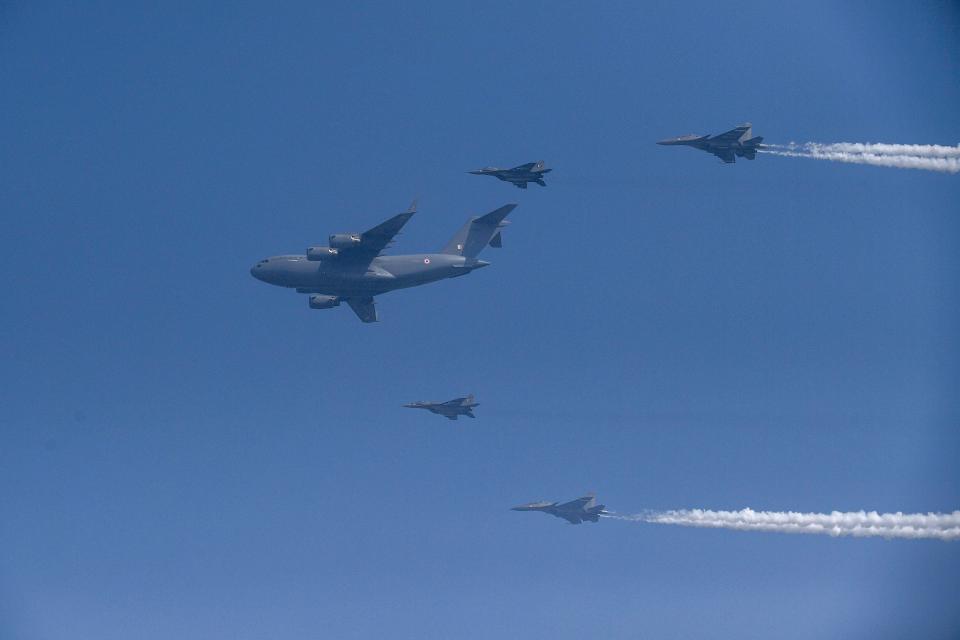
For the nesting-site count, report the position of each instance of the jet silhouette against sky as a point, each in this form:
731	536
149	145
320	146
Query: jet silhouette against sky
351	268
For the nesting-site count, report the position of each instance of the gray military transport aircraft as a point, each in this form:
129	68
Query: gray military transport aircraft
576	511
726	146
352	270
451	409
518	176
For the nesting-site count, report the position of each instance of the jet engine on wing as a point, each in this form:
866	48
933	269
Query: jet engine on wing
316	254
318	301
344	240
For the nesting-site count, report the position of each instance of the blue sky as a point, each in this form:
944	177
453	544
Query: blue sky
187	452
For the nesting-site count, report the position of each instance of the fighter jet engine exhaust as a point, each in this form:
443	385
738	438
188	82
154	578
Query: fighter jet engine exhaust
929	157
858	524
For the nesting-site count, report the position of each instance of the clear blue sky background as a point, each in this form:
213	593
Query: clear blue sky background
188	453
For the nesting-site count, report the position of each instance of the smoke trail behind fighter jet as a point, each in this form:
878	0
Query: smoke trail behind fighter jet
929	157
861	524
876	148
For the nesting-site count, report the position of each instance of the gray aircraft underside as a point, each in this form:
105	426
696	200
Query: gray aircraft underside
736	143
518	176
583	509
451	409
352	270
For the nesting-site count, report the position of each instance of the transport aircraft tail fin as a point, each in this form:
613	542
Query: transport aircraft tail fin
477	233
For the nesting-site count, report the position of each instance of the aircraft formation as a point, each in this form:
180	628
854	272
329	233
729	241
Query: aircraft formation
352	268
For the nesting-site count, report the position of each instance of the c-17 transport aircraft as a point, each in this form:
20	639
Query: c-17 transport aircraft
518	176
583	509
352	270
451	409
726	146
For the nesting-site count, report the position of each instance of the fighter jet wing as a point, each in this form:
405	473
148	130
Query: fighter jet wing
375	240
520	185
456	402
730	136
572	519
579	503
726	155
364	308
450	416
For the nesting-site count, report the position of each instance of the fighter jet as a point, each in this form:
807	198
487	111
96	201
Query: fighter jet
574	512
518	176
726	146
451	409
352	270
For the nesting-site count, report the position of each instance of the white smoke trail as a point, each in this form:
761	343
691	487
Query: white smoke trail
876	148
862	524
942	164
